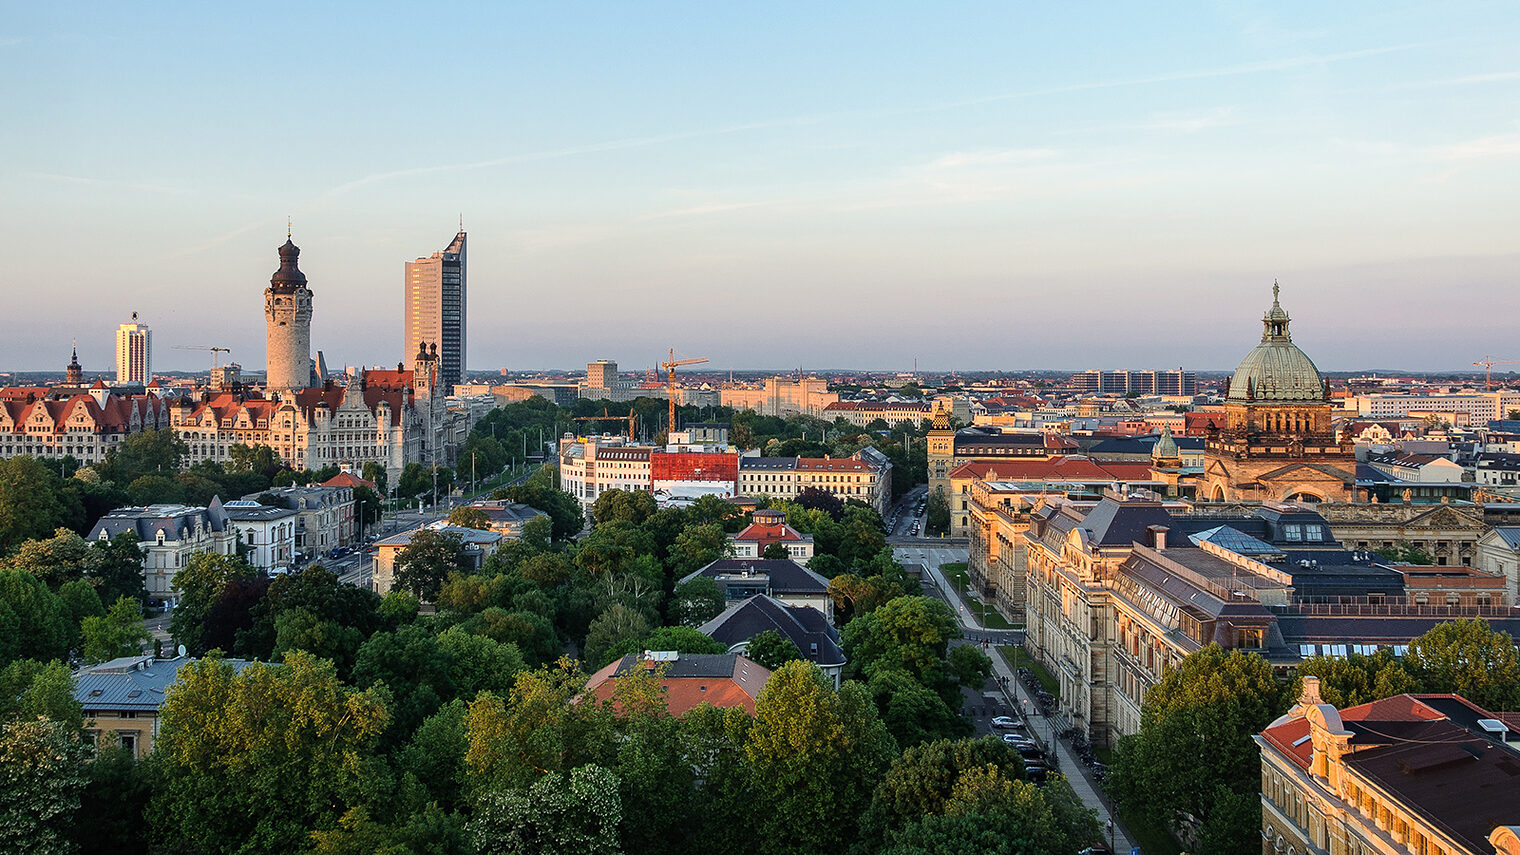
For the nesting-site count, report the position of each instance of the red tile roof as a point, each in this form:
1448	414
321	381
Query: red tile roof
1065	468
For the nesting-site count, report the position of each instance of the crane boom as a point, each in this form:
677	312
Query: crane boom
214	351
670	379
1488	364
632	419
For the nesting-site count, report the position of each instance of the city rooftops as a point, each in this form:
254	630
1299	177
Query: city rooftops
131	683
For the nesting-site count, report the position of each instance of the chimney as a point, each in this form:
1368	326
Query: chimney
1157	537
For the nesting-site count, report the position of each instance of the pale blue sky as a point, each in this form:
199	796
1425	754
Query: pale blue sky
1010	185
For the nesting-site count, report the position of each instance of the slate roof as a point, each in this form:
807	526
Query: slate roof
1509	534
246	511
470	536
131	683
1114	523
804	626
175	521
784	576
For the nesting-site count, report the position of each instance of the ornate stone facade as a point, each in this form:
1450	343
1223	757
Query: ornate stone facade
1277	441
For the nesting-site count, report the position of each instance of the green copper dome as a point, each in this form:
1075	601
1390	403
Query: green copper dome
1276	370
1165	447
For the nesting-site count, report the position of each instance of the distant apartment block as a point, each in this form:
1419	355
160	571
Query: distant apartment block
865	476
1176	382
435	310
134	352
1481	406
862	413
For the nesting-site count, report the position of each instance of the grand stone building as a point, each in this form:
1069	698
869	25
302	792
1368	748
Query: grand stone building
1277	442
287	316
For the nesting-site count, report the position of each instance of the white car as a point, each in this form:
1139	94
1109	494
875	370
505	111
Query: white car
1006	722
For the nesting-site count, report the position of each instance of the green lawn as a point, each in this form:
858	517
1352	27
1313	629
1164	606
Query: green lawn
960	580
992	618
1023	660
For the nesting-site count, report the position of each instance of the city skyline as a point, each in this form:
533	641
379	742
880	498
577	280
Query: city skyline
852	187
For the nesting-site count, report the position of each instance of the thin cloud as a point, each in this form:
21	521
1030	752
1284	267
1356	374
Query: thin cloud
136	186
1483	148
991	157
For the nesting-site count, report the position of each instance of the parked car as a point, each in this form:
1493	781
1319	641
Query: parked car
1006	721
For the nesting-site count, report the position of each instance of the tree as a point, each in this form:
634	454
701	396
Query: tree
31	690
681	639
34	622
156	489
258	458
816	756
775	551
969	666
615	626
912	633
468	517
1467	658
1405	553
415	670
1357	679
41	778
427	561
772	650
633	506
64	557
814	498
697	547
199	585
696	602
156	450
119	633
922	781
253	760
1193	764
573	814
119	572
375	474
114	800
30	507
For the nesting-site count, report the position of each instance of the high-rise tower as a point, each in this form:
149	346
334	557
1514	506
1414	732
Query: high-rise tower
287	316
134	352
434	311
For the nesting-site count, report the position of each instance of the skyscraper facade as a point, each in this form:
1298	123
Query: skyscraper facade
434	313
287	318
134	352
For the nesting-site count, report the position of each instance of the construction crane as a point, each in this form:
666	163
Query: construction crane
670	380
632	419
1488	364
214	351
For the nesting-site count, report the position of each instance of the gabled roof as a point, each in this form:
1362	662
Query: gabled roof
724	680
804	626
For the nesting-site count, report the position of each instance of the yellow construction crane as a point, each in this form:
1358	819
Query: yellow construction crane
214	351
632	419
670	383
1488	364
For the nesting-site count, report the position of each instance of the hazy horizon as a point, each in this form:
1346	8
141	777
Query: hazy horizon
978	187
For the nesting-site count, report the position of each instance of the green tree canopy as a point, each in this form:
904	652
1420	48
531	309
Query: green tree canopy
771	649
41	779
118	633
816	757
30	503
1193	760
34	622
253	761
424	564
696	602
1357	679
1468	658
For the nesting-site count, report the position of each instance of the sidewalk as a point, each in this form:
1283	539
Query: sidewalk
1039	724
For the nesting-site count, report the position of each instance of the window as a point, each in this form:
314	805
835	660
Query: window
1293	531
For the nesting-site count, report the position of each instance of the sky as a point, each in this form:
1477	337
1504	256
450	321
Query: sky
1008	185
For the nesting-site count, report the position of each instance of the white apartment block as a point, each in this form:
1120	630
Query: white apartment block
1481	406
168	536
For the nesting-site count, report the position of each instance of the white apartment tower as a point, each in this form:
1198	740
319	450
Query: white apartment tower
134	352
287	316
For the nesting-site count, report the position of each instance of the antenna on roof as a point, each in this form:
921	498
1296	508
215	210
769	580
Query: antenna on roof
287	226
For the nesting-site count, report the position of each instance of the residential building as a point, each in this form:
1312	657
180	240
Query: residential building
168	536
602	374
769	527
816	639
862	413
1143	382
55	423
1420	468
268	532
287	319
507	518
781	578
134	352
1277	441
122	698
591	466
326	516
435	309
689	680
478	546
865	476
1406	775
1481	407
